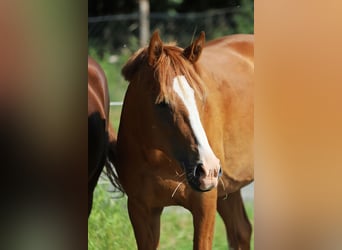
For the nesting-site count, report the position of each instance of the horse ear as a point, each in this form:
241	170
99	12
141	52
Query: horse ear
155	48
193	52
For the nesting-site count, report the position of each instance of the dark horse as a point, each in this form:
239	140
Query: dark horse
101	135
186	136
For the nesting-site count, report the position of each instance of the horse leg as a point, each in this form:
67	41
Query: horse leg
204	212
146	224
235	218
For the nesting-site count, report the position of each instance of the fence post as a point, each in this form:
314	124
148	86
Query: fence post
144	11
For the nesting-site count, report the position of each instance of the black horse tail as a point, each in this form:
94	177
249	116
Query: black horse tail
110	163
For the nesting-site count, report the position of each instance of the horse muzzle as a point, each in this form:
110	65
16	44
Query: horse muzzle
205	179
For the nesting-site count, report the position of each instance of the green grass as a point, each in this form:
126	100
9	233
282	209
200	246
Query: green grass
114	116
109	226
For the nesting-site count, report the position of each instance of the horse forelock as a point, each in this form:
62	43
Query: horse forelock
170	64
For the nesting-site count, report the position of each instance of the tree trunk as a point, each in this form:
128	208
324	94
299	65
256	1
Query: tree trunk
144	11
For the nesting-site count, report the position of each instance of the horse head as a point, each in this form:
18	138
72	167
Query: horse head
169	97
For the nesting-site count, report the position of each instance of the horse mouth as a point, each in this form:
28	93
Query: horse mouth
195	183
198	186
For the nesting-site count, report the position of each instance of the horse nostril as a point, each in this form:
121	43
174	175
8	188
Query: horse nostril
198	170
220	172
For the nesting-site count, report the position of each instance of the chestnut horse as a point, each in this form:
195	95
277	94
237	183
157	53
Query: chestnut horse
101	135
186	136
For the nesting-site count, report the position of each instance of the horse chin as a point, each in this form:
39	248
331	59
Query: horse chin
197	188
195	185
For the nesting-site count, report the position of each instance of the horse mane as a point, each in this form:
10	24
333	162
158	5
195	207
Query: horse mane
171	63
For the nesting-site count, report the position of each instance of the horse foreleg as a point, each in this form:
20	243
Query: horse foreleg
146	224
203	211
235	218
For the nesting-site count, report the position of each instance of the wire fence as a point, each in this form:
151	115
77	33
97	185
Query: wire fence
116	32
116	103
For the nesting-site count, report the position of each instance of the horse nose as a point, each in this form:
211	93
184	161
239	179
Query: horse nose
207	177
199	171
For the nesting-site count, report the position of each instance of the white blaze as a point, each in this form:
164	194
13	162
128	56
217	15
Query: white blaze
186	93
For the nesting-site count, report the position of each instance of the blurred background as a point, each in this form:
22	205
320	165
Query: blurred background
116	25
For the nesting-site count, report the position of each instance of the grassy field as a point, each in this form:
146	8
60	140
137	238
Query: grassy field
109	226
